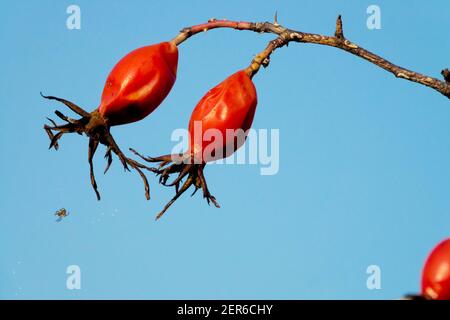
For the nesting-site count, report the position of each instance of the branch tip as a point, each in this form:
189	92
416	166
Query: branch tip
446	74
339	30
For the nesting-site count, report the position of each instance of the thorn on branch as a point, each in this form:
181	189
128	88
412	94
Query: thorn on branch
339	31
446	74
186	31
275	19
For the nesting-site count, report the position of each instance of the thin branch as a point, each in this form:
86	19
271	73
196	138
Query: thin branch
337	41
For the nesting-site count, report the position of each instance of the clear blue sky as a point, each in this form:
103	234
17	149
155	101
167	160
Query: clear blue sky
364	158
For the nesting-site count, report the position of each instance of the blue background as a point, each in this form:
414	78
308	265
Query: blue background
364	157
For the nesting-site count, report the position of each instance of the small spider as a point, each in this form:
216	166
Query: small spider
61	213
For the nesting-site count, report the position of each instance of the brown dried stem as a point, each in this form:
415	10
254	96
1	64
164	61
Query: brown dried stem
96	128
185	166
337	41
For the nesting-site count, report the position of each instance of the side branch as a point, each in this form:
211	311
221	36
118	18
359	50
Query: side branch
337	41
263	58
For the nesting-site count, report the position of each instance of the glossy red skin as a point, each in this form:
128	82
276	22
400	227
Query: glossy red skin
229	105
436	273
138	83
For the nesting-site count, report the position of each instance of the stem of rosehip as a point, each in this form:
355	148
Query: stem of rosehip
263	58
211	24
